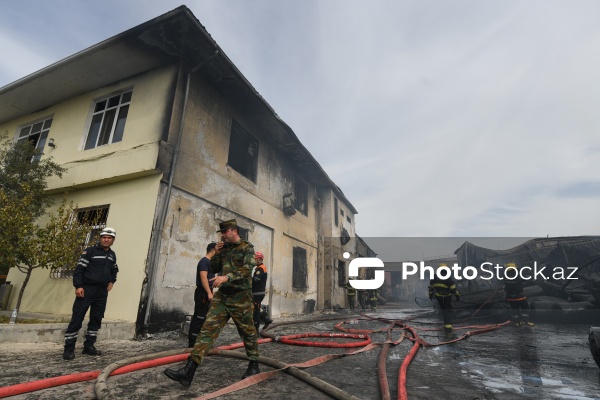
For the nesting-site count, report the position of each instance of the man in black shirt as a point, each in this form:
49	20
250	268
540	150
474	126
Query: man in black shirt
203	294
94	276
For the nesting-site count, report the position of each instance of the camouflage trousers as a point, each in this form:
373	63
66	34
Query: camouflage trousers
240	308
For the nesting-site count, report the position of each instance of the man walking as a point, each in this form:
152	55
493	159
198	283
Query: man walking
233	261
94	276
515	297
203	294
443	290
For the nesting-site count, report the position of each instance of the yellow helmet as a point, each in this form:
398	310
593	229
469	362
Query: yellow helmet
442	265
510	265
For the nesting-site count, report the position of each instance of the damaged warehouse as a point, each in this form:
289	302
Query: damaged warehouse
169	140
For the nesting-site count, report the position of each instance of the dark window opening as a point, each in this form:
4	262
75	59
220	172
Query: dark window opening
243	152
36	134
243	233
301	194
348	219
341	273
300	269
335	213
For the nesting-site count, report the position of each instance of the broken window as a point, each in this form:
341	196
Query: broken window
300	269
341	273
108	120
301	194
36	134
243	151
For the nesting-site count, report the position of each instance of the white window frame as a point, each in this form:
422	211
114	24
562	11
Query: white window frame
40	143
94	112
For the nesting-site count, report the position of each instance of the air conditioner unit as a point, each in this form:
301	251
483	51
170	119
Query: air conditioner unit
289	202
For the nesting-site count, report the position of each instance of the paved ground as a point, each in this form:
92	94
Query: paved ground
549	361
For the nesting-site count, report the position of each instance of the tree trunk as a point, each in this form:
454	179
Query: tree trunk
27	276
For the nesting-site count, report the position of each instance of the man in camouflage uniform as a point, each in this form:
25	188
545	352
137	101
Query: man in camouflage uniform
233	262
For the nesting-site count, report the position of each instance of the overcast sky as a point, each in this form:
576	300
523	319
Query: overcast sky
435	118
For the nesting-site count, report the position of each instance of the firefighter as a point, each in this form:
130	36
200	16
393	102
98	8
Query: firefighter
372	299
443	290
362	299
513	285
350	294
259	285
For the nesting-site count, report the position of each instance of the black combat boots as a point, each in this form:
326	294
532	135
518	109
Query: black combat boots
252	369
91	351
268	321
183	375
69	353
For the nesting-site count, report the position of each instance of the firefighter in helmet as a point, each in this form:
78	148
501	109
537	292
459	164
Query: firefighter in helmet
443	290
513	285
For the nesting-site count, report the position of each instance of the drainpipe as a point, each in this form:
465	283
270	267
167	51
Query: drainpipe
319	247
156	239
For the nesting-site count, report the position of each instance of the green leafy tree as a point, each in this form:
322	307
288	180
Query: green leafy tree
25	242
17	170
23	186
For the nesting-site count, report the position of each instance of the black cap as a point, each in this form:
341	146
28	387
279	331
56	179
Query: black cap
223	226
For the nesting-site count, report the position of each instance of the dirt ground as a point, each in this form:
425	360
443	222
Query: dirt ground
545	362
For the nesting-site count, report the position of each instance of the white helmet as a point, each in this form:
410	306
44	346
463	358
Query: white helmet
108	232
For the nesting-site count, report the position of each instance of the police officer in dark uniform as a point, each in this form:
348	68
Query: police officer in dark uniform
443	290
233	262
94	276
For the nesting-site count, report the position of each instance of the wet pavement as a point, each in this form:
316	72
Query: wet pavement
548	361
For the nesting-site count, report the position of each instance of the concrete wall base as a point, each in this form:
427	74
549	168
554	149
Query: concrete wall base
55	332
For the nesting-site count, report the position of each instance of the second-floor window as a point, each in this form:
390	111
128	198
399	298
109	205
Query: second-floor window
108	120
301	194
243	151
36	134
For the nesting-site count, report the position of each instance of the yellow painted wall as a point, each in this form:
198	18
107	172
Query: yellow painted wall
132	206
136	154
130	168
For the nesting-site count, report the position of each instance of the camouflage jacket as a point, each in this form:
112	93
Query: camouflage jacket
235	261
